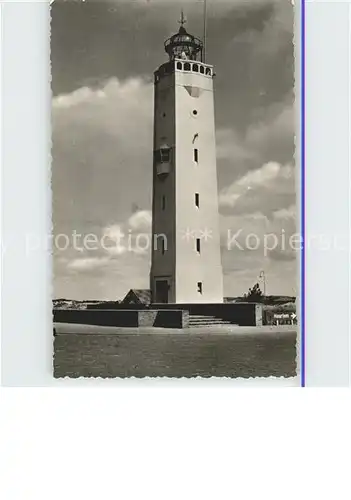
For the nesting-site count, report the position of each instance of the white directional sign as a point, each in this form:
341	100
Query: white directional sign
285	316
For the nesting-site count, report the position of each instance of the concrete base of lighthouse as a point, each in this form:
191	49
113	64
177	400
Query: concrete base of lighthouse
177	316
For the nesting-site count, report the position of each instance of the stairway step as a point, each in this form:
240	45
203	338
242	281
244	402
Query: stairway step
209	321
209	325
201	320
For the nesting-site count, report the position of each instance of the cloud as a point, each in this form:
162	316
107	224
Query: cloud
277	26
286	213
86	264
270	137
264	190
277	127
114	232
258	211
102	154
110	270
252	242
112	240
113	246
131	96
134	235
80	96
141	221
259	177
232	147
102	159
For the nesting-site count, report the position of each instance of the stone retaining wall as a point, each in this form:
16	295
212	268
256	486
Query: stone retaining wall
238	313
123	318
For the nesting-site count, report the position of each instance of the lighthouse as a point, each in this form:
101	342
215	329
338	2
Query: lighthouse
185	259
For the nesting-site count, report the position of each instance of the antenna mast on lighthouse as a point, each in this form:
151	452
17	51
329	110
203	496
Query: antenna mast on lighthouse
205	30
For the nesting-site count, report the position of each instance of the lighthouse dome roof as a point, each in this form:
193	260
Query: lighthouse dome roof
182	36
183	42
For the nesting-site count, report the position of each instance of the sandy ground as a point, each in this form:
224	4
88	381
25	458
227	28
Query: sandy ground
63	328
218	351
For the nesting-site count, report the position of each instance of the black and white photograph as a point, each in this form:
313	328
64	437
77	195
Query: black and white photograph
175	233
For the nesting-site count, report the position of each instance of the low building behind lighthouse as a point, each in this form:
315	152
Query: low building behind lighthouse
186	258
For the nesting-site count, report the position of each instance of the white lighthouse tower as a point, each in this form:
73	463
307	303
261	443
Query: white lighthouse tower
186	259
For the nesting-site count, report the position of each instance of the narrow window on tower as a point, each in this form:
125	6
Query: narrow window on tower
163	246
198	247
199	286
196	155
197	200
165	154
163	203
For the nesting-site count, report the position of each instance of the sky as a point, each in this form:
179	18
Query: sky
103	56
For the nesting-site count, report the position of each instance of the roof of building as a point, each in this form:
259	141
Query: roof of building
137	296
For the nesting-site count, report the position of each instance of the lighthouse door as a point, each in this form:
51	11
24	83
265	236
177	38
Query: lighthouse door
161	292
